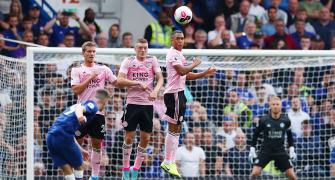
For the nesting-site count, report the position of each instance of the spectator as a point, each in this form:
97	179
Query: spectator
3	24
256	78
90	19
69	40
271	42
226	41
259	40
302	16
127	40
58	31
280	14
297	116
190	159
300	32
305	43
214	155
312	7
283	4
26	24
256	9
38	23
327	136
325	109
27	36
269	28
195	14
244	41
12	33
238	21
102	40
114	39
38	142
43	39
189	35
299	79
84	37
243	91
39	169
158	34
16	10
200	40
236	161
317	43
293	91
8	150
208	10
325	27
215	36
309	152
230	7
260	107
197	132
228	130
293	6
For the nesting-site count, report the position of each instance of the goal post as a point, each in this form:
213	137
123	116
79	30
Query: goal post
237	60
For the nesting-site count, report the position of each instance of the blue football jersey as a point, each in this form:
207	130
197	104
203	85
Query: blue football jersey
67	123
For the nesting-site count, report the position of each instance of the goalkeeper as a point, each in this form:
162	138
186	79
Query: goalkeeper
274	127
63	148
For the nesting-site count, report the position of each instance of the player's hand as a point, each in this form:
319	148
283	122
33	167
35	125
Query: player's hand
153	96
82	120
95	73
252	155
86	155
143	86
210	72
292	154
196	61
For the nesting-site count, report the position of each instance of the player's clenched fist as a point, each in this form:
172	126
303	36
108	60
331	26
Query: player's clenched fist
196	61
153	95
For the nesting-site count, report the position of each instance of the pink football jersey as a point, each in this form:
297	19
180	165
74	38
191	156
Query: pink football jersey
143	71
80	74
175	82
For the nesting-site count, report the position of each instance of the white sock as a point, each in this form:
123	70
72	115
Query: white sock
78	173
70	177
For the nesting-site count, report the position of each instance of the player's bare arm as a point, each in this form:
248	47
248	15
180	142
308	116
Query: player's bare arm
122	81
78	89
184	70
208	73
80	114
160	81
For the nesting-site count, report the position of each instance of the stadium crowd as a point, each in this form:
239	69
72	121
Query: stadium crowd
222	111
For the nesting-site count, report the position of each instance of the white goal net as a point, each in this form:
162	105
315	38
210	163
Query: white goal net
222	111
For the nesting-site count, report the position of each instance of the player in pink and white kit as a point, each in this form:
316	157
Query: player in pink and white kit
139	110
175	101
85	81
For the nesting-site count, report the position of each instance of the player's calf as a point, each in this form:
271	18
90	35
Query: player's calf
256	172
290	174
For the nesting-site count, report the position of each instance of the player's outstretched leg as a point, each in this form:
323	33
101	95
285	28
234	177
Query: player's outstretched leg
95	158
141	152
171	146
256	172
126	152
290	174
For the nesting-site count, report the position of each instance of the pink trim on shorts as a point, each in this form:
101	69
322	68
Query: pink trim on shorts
169	119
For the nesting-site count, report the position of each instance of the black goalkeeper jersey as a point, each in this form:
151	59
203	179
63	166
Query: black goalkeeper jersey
274	133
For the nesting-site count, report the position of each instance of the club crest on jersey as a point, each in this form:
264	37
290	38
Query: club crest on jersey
282	125
148	65
77	133
268	125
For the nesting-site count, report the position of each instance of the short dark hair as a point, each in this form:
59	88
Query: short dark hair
68	34
272	7
102	93
126	34
176	32
141	40
305	37
115	25
26	18
299	20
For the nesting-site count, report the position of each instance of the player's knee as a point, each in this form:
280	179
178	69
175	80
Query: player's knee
128	139
255	173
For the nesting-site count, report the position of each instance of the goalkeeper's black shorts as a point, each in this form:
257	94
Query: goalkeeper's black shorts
95	128
282	161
